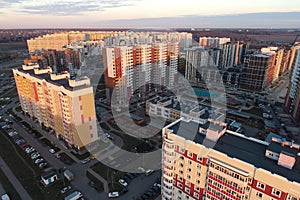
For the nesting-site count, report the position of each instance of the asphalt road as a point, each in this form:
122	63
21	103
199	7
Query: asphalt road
80	182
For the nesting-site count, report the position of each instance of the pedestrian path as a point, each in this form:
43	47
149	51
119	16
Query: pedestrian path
14	181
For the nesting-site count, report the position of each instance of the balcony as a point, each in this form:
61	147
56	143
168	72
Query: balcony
166	195
168	177
167	183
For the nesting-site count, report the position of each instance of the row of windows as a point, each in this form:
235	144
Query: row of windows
228	172
262	186
224	180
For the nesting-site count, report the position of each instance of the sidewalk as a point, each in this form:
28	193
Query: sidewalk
45	134
14	181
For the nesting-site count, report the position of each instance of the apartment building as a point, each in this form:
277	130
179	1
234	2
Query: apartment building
213	42
58	102
58	40
137	67
293	96
212	163
258	72
202	64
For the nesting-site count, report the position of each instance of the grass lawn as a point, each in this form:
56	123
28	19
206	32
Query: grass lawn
104	126
98	183
7	186
48	143
65	158
24	169
18	109
111	175
36	134
81	157
114	125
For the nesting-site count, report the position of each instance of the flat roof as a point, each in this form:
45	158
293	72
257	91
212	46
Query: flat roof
61	82
238	147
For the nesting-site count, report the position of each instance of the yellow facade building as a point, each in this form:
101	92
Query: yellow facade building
59	103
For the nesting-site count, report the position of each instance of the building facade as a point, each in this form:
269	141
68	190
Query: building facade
58	103
137	67
217	164
258	72
293	97
211	42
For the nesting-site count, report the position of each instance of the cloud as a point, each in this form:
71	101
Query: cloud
248	20
63	8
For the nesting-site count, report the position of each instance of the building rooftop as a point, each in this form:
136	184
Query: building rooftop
240	147
60	82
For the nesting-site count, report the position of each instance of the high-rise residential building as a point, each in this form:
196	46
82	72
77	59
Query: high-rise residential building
229	52
211	42
258	72
58	102
232	54
279	60
132	68
212	163
241	51
58	40
202	64
293	97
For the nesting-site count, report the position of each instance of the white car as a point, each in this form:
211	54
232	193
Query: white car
35	156
65	189
157	185
123	182
148	172
52	151
85	160
37	161
113	194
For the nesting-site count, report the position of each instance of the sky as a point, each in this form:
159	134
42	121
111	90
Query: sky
149	13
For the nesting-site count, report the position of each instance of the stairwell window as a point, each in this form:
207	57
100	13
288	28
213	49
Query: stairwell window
261	186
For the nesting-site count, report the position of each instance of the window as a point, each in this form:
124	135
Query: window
189	169
197	188
260	186
196	195
276	192
187	190
199	158
188	184
179	185
259	195
290	197
198	166
190	154
182	150
180	178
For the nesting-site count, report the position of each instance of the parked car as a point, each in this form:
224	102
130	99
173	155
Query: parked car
57	155
85	160
52	151
43	165
29	150
113	194
35	155
65	189
148	172
123	182
39	160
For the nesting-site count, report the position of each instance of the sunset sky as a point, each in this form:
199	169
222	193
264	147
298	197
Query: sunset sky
148	13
